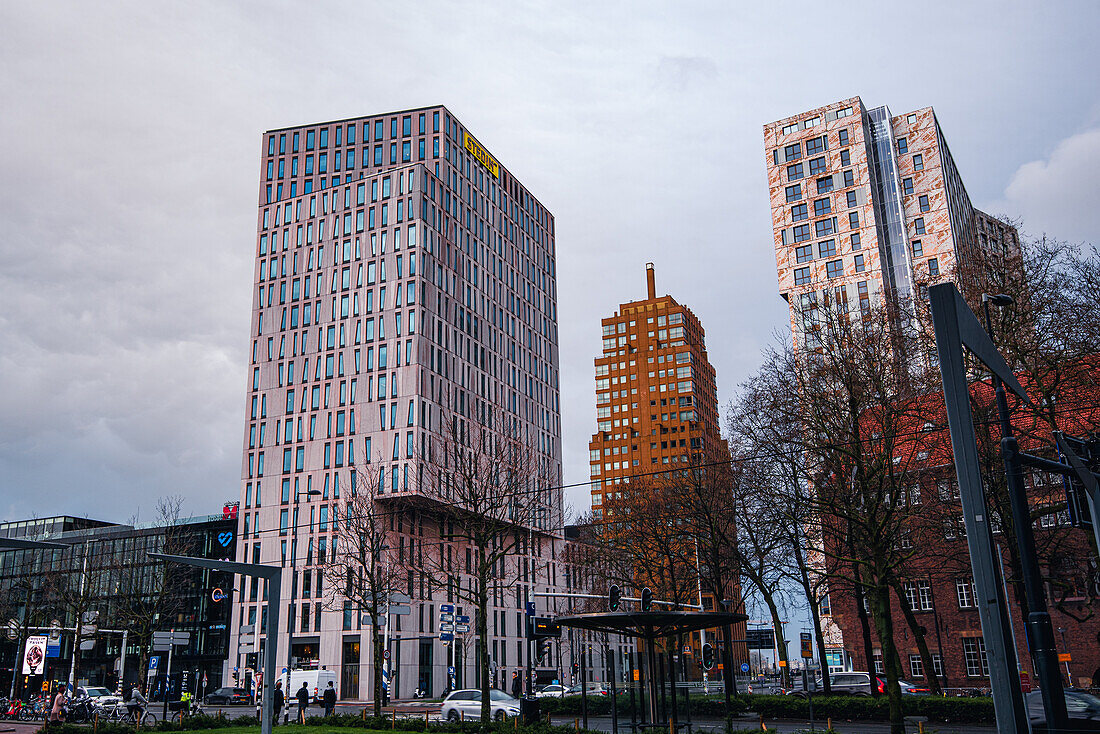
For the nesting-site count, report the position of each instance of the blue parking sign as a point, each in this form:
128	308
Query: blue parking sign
154	661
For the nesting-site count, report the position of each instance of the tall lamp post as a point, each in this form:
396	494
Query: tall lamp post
293	590
1040	631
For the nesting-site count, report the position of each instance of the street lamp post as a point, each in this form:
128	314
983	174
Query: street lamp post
293	583
1040	630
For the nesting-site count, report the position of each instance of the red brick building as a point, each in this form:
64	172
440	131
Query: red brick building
938	582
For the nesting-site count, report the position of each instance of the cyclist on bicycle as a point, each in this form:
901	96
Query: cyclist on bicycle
136	705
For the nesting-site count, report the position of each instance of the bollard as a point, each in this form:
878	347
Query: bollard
829	723
393	719
670	729
95	722
515	723
364	714
425	721
576	724
920	727
763	726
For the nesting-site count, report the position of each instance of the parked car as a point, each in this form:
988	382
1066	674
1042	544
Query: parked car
466	704
551	690
850	683
590	689
227	697
316	681
1083	709
100	696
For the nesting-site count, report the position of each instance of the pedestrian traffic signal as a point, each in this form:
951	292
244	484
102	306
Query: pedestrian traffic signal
576	668
542	649
647	599
614	595
708	656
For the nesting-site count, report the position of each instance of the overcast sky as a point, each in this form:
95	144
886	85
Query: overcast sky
128	181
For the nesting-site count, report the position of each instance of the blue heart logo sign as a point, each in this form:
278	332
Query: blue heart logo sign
225	538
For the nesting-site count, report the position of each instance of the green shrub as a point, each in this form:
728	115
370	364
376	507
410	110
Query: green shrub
866	708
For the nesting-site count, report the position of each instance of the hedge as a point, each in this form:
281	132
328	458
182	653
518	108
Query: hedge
349	721
703	706
863	708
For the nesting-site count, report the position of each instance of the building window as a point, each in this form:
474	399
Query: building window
853	220
916	666
911	119
918	162
974	655
859	264
923	201
845	158
964	590
804	253
798	213
824	227
849	179
918	225
834	268
825	185
826	248
792	152
802	276
817	165
919	595
903	145
802	233
794	192
918	249
851	199
843	136
933	267
815	145
788	129
821	207
880	669
907	186
794	172
856	242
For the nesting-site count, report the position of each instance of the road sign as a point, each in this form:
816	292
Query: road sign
446	636
446	617
88	644
34	655
171	638
386	654
446	608
53	648
398	598
807	641
1064	657
247	629
462	628
782	663
744	667
446	627
530	608
463	619
154	663
400	609
244	649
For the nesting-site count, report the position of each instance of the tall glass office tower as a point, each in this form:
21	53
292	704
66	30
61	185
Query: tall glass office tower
403	277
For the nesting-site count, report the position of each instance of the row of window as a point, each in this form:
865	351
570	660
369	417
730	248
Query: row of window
345	134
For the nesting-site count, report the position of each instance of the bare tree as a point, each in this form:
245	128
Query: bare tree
494	489
149	593
357	572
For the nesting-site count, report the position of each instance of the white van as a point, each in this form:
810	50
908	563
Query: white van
316	681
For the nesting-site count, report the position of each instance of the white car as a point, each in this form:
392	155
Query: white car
100	696
550	691
466	704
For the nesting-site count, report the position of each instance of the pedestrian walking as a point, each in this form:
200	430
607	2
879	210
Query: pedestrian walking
278	702
57	711
330	700
517	685
303	702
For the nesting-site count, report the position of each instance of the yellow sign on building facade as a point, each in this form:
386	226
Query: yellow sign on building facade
482	155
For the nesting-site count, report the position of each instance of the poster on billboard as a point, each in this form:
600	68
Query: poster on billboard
34	657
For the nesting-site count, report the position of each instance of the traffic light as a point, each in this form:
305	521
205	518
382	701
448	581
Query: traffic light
576	668
542	650
614	595
647	599
708	656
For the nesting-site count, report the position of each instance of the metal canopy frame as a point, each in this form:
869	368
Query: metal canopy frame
956	326
274	577
649	626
